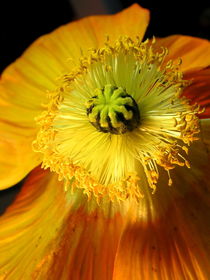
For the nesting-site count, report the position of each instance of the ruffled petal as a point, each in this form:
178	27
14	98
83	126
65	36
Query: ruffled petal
131	22
194	52
205	133
199	89
49	233
88	247
29	226
25	83
175	244
16	156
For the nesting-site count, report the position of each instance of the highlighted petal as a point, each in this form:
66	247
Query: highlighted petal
175	244
194	52
29	226
25	83
88	247
166	238
131	22
199	89
16	157
46	234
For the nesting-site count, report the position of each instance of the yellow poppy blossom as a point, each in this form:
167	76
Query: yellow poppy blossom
113	132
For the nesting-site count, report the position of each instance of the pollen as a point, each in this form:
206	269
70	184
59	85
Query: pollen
117	120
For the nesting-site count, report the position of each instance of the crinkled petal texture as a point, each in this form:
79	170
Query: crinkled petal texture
25	83
199	89
193	52
48	234
52	234
30	225
174	245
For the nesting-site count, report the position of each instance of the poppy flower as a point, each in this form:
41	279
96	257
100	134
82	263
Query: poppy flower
113	133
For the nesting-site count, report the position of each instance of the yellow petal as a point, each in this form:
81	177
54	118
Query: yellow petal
30	224
48	233
194	52
175	244
16	157
82	241
25	83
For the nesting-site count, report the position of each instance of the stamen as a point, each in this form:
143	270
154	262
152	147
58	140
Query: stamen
170	182
116	118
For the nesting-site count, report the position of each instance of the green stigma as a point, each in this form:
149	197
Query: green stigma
112	110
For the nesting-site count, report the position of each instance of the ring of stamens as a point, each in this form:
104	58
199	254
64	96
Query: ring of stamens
137	81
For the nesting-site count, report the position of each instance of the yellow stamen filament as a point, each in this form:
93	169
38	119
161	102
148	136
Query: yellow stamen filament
85	134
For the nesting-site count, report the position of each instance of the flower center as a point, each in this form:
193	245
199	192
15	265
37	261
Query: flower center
130	93
113	110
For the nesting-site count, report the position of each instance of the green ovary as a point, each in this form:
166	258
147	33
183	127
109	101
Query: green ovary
112	110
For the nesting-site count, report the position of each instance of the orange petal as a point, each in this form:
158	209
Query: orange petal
30	224
81	240
16	156
131	22
88	247
175	244
199	89
48	233
205	133
194	52
24	83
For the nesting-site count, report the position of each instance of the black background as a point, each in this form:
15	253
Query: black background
24	21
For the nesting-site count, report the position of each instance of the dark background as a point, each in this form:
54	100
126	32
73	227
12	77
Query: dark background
24	21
